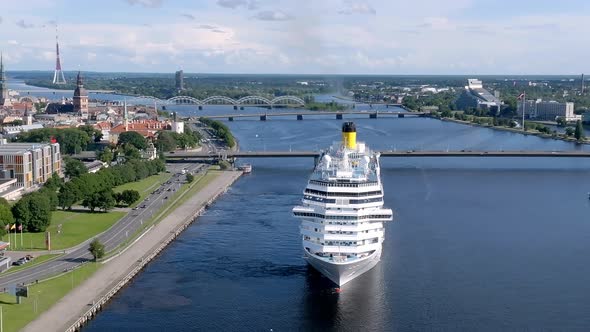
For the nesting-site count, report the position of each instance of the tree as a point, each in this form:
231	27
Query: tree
561	122
5	218
106	155
569	131
190	178
104	200
129	196
69	194
93	133
20	210
133	138
4	202
33	211
96	248
165	141
54	182
223	165
51	195
579	132
74	168
131	152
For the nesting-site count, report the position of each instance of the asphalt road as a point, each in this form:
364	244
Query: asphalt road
112	238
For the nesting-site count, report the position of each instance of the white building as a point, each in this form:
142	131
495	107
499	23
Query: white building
548	110
15	130
178	127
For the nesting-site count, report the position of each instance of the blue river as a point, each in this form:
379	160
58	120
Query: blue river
476	244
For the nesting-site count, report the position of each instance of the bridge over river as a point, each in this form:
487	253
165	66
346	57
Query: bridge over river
231	155
301	114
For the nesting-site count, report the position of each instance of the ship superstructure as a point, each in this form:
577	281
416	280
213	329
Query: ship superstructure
342	212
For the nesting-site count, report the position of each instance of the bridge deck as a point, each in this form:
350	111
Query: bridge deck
299	154
308	113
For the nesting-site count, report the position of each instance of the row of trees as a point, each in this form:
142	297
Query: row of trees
95	190
71	140
169	140
221	131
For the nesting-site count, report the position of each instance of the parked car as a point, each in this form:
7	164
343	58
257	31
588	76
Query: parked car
166	197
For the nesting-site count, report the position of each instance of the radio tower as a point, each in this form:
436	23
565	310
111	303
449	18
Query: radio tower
58	75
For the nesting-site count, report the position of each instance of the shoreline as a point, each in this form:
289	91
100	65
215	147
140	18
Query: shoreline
513	130
95	292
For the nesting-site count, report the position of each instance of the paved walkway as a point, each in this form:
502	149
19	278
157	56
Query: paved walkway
64	313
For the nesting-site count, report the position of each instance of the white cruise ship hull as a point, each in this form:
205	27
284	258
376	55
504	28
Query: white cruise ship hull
341	273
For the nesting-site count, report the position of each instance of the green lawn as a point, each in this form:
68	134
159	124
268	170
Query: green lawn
77	226
145	186
44	295
36	261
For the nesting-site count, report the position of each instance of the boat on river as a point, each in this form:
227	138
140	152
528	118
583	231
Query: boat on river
342	214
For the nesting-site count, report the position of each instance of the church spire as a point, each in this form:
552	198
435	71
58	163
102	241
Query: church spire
79	80
126	117
1	68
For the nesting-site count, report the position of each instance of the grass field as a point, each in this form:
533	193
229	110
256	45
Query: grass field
41	297
77	226
36	261
145	186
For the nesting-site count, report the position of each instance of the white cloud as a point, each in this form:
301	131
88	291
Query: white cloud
12	42
188	16
427	37
22	24
357	7
146	3
272	15
233	4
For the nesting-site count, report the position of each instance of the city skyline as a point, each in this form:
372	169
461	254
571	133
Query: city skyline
476	37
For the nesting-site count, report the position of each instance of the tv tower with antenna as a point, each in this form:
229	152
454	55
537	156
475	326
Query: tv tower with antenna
58	75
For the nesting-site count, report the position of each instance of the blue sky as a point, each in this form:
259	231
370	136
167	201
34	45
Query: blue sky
299	36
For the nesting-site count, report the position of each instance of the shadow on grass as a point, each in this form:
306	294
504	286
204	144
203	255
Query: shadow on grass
76	260
85	211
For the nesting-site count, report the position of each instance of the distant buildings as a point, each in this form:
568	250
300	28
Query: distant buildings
29	163
179	80
474	96
547	110
147	128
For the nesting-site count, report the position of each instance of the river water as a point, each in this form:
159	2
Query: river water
476	244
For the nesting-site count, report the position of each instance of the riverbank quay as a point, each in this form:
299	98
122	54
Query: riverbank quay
85	301
514	130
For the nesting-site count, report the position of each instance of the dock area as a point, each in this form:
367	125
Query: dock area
94	293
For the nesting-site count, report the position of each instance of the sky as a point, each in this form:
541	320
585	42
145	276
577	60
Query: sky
385	37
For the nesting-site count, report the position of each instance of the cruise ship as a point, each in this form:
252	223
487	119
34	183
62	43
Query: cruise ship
342	212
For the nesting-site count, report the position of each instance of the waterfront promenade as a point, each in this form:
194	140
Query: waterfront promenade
70	308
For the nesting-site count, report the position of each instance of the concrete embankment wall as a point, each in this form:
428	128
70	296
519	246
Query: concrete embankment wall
94	293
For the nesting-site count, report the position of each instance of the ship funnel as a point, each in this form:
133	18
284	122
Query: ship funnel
349	135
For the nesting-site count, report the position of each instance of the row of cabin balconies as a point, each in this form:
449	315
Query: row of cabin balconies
344	248
343	235
345	187
348	195
344	203
343	215
352	227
